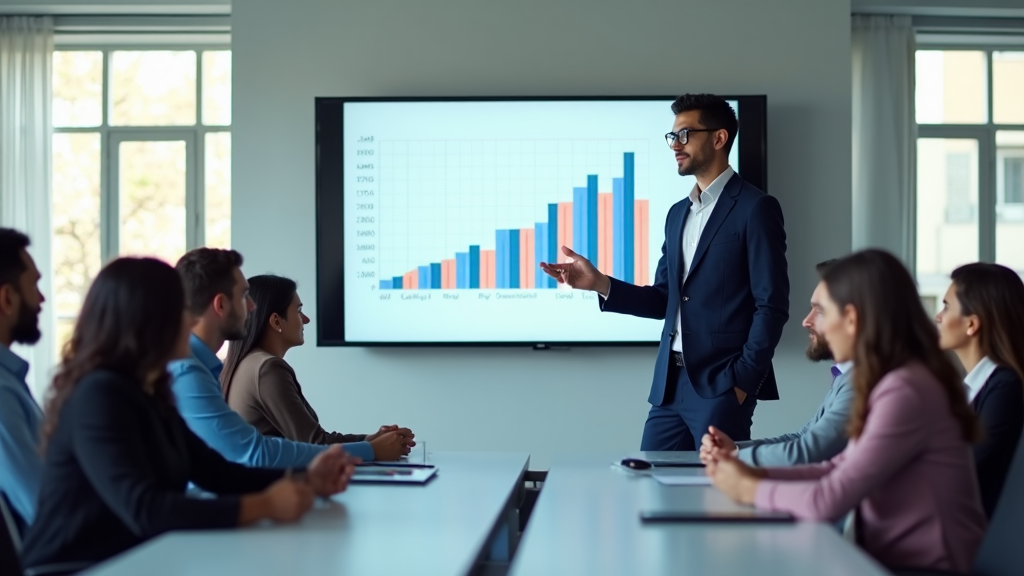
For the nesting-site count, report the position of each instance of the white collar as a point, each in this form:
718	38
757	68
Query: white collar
714	190
844	367
978	376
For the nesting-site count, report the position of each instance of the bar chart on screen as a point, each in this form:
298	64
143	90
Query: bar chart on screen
468	214
610	228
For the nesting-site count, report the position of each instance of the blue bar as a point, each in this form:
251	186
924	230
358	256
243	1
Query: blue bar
618	227
591	237
579	222
385	285
474	267
423	277
628	224
435	275
501	259
553	247
540	249
513	258
462	270
398	283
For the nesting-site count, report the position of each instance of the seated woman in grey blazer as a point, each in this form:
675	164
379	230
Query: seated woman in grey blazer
982	321
259	385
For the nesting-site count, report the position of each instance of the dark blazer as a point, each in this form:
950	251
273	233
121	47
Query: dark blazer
735	301
1000	407
115	474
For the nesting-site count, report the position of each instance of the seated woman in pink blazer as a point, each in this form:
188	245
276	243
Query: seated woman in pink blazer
908	470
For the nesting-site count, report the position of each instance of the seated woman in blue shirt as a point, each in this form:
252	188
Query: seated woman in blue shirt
263	388
982	321
118	456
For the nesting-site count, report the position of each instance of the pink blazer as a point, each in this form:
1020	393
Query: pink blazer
910	471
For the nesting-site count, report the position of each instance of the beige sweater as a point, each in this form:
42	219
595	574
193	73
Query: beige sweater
265	391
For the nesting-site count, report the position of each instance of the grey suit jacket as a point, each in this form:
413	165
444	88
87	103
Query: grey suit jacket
823	437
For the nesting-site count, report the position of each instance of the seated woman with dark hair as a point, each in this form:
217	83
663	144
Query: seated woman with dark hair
262	387
982	321
118	456
907	471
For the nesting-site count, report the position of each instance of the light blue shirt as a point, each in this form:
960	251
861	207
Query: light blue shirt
821	439
198	394
20	421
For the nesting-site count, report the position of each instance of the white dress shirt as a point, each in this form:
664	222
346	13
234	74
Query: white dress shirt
702	204
978	376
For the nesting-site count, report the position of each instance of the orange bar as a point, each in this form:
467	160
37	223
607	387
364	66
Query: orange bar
564	229
641	255
604	233
411	280
526	257
453	274
448	274
487	272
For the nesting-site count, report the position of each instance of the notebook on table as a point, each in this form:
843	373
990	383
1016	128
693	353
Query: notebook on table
393	473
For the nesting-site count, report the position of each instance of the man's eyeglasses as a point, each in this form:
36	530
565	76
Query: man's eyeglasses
683	135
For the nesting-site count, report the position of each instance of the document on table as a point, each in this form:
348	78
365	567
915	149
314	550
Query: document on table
677	480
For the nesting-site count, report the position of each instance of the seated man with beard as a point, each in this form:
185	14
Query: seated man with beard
823	436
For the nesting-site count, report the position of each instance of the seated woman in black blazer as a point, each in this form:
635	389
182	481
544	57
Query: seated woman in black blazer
983	323
118	457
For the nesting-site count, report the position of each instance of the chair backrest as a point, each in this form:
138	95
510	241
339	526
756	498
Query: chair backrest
1001	553
10	541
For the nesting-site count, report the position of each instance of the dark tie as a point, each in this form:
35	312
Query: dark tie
836	373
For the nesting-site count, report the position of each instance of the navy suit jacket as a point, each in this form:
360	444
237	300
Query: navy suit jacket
735	301
1000	407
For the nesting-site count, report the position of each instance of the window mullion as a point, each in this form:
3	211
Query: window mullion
987	174
108	199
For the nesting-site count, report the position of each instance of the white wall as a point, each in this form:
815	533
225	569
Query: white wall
286	52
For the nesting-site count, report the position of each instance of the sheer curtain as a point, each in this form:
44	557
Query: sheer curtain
26	52
884	135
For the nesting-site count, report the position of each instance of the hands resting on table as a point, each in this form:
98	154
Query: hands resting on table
391	442
733	477
287	499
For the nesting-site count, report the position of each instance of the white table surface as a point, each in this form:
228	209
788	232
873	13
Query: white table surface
440	528
587	522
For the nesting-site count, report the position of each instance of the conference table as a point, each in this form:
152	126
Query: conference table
587	521
462	519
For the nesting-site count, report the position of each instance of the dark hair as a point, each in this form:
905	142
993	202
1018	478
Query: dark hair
207	272
715	113
996	295
271	295
822	267
892	330
129	324
12	265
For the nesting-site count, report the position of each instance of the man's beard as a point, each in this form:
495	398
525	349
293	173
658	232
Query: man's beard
817	349
26	329
698	162
235	329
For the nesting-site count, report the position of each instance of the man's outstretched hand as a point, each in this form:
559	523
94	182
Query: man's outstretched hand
579	273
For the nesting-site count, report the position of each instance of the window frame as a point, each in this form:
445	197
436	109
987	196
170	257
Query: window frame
988	170
194	136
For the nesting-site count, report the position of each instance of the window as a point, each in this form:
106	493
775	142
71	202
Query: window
141	160
970	161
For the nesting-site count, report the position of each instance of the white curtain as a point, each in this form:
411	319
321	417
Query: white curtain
26	53
884	135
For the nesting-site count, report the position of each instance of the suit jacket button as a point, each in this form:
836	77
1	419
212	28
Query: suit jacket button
685	298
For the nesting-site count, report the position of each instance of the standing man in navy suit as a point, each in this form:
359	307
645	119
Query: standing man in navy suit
722	288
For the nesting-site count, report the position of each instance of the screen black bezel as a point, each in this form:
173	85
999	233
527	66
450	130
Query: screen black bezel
329	143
